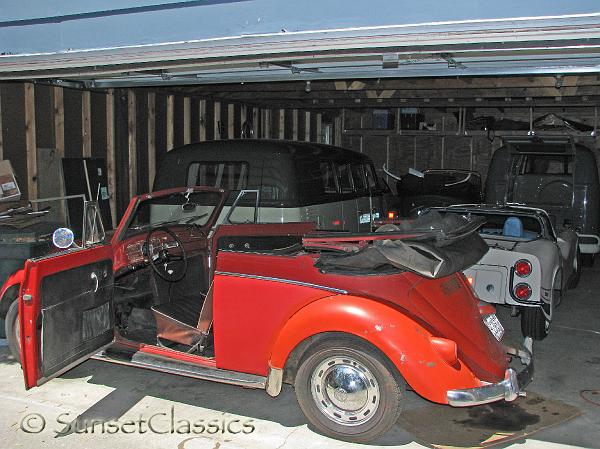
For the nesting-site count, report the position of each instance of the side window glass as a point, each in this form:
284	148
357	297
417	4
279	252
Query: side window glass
327	177
359	178
371	178
244	208
344	177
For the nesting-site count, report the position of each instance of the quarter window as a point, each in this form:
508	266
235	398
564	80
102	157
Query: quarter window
344	176
359	178
327	177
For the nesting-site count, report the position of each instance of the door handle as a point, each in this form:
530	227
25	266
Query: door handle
94	276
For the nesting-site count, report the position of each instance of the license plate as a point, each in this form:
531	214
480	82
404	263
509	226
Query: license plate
494	325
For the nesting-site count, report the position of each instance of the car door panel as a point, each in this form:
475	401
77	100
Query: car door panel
66	311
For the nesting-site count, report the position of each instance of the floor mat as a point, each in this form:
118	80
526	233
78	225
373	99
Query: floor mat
485	425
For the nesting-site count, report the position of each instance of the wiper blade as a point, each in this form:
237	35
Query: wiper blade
152	225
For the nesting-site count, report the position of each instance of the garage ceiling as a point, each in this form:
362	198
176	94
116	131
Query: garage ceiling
145	43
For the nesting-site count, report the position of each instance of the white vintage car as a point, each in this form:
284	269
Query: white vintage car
528	266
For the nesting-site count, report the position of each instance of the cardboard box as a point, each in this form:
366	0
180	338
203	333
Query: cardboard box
9	189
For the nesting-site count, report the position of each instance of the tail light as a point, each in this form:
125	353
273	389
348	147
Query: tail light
522	291
391	215
523	268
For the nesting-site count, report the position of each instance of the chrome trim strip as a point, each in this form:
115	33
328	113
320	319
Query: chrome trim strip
171	366
284	281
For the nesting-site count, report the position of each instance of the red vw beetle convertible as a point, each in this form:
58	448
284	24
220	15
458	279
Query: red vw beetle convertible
351	321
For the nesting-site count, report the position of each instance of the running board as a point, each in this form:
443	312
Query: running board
165	365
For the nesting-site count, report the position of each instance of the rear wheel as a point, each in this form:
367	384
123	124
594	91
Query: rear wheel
11	326
348	391
534	323
574	281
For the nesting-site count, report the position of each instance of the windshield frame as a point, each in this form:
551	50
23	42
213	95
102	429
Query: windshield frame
134	205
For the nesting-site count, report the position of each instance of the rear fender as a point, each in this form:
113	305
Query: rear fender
406	343
13	281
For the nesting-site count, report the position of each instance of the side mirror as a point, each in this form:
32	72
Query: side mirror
63	238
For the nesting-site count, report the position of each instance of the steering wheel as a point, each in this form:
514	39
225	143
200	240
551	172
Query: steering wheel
167	252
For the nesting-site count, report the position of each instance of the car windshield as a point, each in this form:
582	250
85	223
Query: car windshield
182	208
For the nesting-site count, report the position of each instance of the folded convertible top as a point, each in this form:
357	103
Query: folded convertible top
431	246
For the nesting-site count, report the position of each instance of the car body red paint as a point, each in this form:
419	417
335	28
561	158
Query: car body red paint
265	305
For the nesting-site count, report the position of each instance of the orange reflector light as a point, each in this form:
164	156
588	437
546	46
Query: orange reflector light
446	349
470	280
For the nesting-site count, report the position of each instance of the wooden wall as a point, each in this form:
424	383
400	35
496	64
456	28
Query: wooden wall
447	147
134	128
131	128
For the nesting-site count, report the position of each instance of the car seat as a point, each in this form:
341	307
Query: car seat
513	227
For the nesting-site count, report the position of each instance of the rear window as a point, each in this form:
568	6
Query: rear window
226	175
548	165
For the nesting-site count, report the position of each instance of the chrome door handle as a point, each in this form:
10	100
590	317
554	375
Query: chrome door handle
94	276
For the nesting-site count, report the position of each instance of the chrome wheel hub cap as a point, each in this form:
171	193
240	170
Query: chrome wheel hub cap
345	391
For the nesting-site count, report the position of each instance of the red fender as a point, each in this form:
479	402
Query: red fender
405	342
14	279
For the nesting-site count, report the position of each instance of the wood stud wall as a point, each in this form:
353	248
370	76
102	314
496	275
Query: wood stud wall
30	141
220	119
266	123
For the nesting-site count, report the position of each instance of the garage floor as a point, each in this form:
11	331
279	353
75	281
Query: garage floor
76	405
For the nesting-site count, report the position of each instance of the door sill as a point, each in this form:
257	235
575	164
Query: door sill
131	357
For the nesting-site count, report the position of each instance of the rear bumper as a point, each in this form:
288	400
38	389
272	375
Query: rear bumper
589	243
509	389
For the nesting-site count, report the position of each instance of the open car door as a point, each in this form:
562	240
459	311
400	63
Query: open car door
65	310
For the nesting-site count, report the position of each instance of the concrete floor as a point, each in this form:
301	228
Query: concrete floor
567	363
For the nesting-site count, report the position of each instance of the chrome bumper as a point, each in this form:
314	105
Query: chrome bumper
509	389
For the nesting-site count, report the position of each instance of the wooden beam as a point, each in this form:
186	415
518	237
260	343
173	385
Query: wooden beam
337	131
1	128
131	142
151	139
294	124
110	154
86	127
59	120
441	83
267	124
319	128
202	120
230	121
217	121
307	126
170	115
58	112
187	120
281	130
255	122
243	114
30	141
